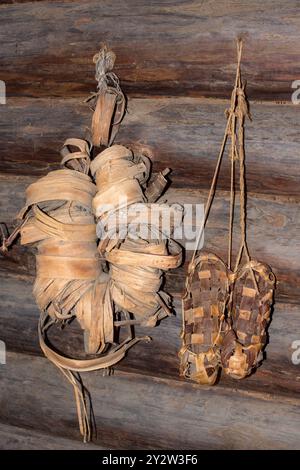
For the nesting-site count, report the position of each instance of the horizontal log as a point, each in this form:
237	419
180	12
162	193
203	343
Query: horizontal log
183	134
18	438
142	412
162	48
9	2
276	377
273	234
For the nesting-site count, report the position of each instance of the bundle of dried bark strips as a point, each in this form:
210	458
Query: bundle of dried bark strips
60	220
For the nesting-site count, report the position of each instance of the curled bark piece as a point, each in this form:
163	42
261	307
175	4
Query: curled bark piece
204	303
136	263
250	310
109	102
59	219
69	281
108	114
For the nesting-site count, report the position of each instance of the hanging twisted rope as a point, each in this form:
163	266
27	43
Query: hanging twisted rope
214	292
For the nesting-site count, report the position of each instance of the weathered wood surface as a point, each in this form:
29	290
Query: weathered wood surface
10	2
182	47
185	50
277	376
19	438
273	234
183	134
145	412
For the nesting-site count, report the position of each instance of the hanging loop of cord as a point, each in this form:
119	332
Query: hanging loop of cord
234	131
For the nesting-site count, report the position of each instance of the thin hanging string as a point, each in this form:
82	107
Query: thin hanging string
243	243
228	130
235	129
232	115
242	111
232	190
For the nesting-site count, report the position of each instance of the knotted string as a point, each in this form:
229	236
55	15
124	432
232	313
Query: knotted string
104	62
235	131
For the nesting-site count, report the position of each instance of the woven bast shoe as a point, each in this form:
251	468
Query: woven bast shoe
245	295
204	303
250	310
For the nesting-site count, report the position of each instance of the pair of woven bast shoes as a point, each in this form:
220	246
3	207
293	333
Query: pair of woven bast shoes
225	318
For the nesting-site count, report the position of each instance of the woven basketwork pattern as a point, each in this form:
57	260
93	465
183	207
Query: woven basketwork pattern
249	315
244	295
225	319
203	312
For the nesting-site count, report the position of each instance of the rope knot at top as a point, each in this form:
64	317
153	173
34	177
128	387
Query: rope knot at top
104	62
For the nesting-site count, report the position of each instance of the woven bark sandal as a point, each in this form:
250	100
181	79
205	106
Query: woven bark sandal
204	304
250	310
250	288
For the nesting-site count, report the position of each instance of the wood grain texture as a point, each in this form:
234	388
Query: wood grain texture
165	48
273	234
172	59
183	134
145	412
10	2
277	377
21	438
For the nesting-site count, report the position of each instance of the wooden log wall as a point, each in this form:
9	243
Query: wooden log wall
176	62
